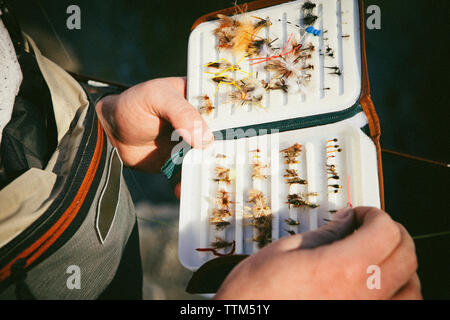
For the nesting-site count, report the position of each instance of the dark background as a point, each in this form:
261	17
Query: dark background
130	41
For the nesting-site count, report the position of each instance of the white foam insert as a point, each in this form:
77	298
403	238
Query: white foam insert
357	161
337	18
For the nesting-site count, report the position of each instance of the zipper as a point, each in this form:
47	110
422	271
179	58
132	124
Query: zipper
297	123
326	118
15	248
170	168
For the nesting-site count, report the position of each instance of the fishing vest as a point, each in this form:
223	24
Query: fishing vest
67	223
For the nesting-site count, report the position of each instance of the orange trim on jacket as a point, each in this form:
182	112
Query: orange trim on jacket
34	251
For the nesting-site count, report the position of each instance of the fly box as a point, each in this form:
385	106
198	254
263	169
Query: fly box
284	88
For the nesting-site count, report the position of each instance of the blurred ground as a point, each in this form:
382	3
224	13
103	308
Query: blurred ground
164	276
130	41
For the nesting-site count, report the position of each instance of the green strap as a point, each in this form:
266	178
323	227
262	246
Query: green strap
170	168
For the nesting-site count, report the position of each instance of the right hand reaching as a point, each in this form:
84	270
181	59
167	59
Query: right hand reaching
331	262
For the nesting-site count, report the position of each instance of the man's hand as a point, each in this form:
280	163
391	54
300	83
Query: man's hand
317	265
139	122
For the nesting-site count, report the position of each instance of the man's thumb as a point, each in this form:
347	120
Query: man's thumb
188	122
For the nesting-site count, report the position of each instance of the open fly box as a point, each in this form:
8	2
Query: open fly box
297	137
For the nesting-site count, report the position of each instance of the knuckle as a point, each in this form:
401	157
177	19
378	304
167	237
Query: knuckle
392	230
407	237
368	211
382	218
412	261
185	109
150	85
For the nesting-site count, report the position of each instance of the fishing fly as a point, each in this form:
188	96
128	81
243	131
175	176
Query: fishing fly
292	222
292	153
222	76
222	175
290	232
223	199
256	170
207	106
261	215
276	84
221	225
308	6
250	92
296	200
238	35
292	177
309	19
218	244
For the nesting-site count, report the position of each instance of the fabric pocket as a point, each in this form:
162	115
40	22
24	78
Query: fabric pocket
109	198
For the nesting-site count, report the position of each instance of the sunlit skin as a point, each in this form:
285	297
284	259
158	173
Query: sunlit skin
139	123
329	263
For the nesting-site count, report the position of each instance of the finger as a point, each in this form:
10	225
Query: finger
179	83
399	267
373	241
184	118
411	291
188	123
341	226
